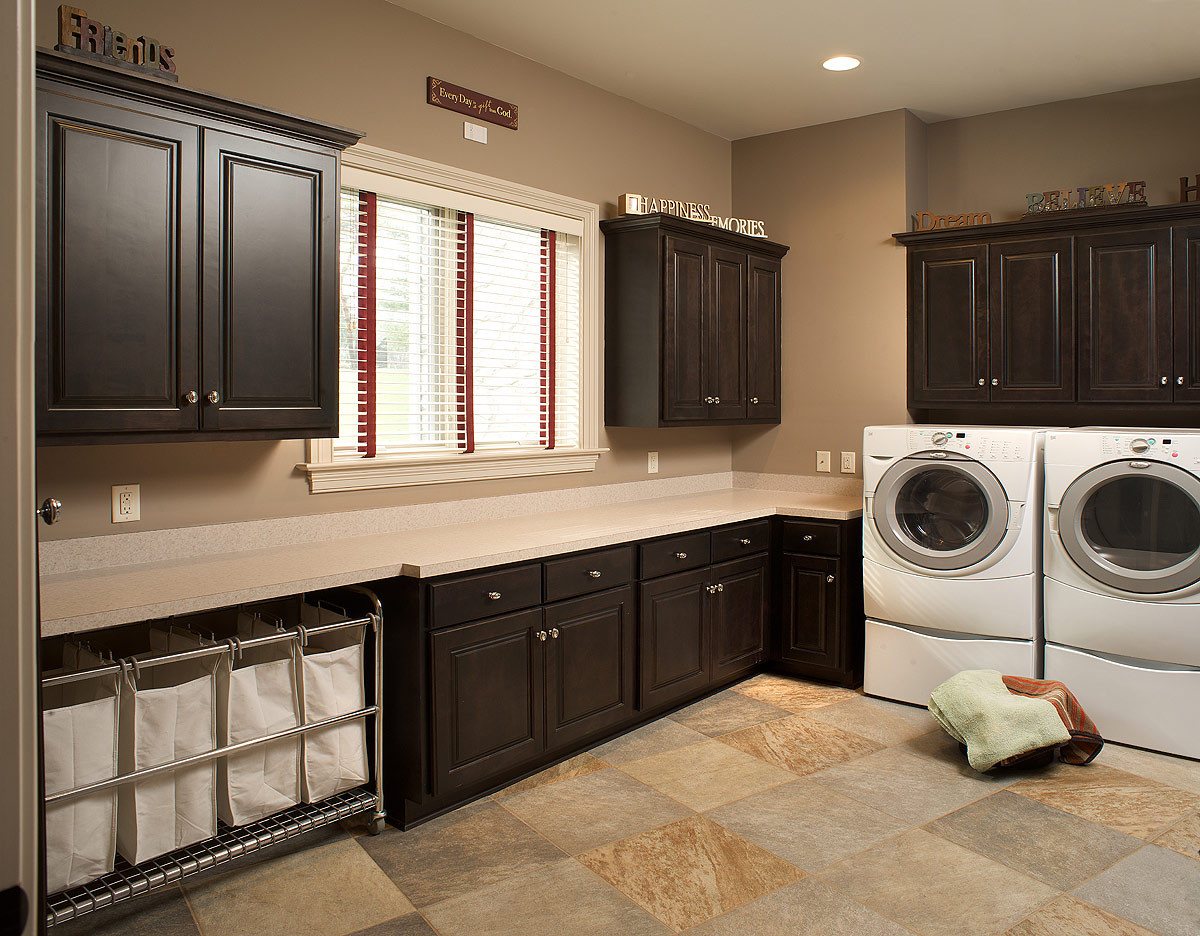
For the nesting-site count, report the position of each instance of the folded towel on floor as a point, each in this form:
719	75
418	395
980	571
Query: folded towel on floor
977	709
1085	741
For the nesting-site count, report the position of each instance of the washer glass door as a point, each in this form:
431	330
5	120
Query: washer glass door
940	510
1134	525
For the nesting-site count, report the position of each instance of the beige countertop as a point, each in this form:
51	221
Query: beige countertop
87	600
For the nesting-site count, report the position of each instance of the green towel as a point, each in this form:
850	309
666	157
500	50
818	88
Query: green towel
976	709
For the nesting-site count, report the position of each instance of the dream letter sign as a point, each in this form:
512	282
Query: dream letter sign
472	103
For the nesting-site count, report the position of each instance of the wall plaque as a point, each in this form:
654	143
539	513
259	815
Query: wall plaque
79	34
1189	192
631	204
472	103
928	221
1087	196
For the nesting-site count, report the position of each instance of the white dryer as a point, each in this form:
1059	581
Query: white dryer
1122	585
951	554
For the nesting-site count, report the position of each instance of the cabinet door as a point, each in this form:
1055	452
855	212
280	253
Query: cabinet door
947	321
685	283
674	637
117	317
487	692
589	665
763	337
270	286
725	335
738	616
1032	327
809	625
1186	377
1123	285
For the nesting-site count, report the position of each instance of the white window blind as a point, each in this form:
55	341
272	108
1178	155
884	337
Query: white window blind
459	333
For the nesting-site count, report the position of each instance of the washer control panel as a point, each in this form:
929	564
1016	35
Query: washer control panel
1166	446
977	444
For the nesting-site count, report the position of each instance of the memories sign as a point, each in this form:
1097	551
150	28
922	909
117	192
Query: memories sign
631	204
472	103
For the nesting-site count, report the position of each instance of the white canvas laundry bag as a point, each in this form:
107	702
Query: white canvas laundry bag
79	731
331	682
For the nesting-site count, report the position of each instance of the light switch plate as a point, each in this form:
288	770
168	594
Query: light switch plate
474	132
126	503
822	461
847	463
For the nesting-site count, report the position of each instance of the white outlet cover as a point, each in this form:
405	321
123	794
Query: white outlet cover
652	463
126	503
848	462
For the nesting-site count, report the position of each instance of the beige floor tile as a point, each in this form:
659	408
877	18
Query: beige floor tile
706	775
690	871
327	891
573	767
462	851
885	722
654	738
583	813
806	908
795	695
1155	887
1112	797
1016	831
1068	916
725	712
940	747
1173	771
411	924
937	888
807	823
1183	837
165	913
915	789
799	744
564	899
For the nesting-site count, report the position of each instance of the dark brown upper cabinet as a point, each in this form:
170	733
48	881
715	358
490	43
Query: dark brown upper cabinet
692	324
947	338
1186	290
186	262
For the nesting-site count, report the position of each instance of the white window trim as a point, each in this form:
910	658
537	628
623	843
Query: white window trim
327	475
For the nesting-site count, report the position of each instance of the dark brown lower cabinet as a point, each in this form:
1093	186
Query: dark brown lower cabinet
808	634
739	616
674	637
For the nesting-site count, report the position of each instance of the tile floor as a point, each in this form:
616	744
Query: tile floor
775	807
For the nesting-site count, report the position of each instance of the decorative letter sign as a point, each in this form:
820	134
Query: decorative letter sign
1186	190
630	204
1095	196
927	221
472	103
79	35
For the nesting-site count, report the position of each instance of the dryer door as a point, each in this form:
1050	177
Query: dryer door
940	510
1134	525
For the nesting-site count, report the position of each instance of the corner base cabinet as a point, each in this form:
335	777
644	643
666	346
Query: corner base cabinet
187	262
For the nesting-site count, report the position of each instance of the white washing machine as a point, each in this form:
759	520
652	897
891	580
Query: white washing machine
951	554
1122	580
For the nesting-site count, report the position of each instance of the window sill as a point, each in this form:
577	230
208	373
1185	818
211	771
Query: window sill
366	474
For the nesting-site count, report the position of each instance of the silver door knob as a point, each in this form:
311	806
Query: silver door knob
754	399
595	573
554	632
711	589
191	397
50	511
745	541
213	396
495	596
995	381
541	635
716	399
680	555
1179	380
720	587
829	578
708	399
981	381
1164	381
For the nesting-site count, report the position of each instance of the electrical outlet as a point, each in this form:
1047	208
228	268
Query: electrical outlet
474	132
822	461
847	463
652	463
126	503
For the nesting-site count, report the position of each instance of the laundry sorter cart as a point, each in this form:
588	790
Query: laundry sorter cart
95	782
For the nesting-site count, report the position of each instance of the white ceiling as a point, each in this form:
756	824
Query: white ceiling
739	69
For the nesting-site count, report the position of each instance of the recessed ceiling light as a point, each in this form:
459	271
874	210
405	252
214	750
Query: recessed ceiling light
841	63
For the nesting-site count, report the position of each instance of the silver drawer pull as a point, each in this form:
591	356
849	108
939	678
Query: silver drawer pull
680	555
495	596
594	573
745	541
807	537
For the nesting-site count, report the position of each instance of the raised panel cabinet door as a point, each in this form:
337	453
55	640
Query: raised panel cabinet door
487	690
674	628
1123	288
685	283
270	277
763	340
809	618
117	315
725	328
1032	322
948	325
1186	273
590	653
739	616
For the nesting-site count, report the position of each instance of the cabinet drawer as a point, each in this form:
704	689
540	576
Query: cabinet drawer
675	554
589	572
484	595
741	540
811	536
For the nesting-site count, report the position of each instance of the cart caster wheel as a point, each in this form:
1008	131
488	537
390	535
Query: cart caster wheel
376	825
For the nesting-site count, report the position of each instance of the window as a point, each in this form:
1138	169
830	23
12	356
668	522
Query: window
469	338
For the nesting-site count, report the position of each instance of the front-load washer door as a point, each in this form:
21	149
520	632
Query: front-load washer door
1134	525
940	510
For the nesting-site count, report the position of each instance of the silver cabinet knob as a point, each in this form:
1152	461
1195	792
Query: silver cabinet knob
554	632
829	578
711	589
680	555
1179	380
995	381
807	537
716	399
1164	381
542	635
708	399
720	587
981	381
213	396
495	596
191	397
745	541
754	399
594	573
50	511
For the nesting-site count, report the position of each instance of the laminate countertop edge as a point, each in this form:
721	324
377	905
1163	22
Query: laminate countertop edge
88	600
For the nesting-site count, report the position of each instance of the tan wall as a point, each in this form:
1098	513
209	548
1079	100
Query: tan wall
835	193
363	64
990	162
